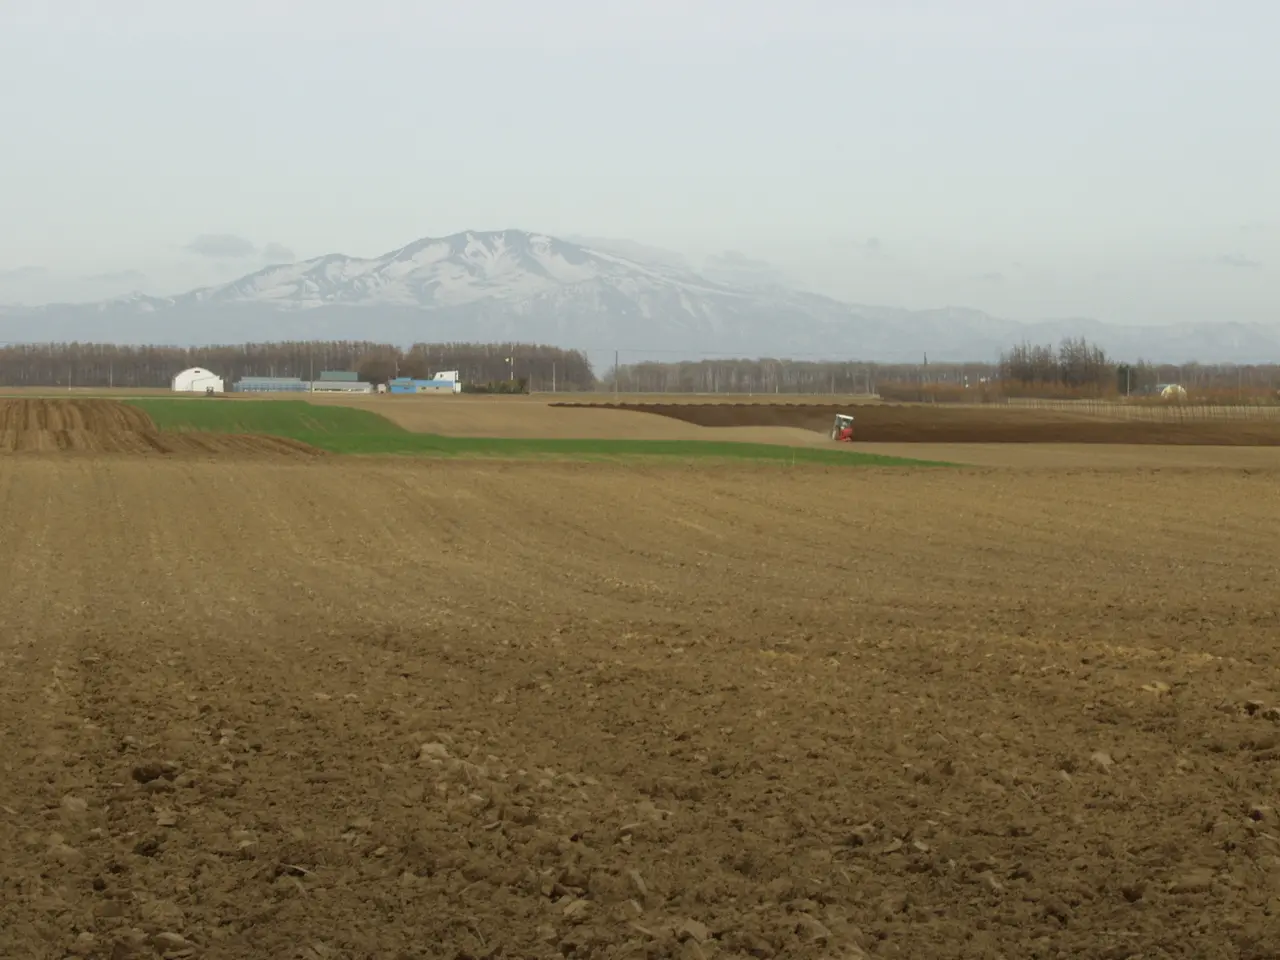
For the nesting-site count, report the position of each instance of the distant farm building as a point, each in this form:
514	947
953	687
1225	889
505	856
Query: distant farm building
407	385
341	386
345	381
197	380
271	385
340	381
444	382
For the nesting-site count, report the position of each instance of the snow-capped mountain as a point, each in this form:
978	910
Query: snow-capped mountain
511	285
509	266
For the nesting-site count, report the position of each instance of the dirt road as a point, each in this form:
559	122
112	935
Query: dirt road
547	710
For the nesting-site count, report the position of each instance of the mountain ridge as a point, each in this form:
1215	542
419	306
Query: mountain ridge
515	285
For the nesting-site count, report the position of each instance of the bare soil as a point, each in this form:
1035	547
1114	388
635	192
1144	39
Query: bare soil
364	709
929	423
64	393
1076	456
108	426
496	416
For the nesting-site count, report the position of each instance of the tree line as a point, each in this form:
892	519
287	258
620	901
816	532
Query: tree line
1077	368
1075	364
764	375
107	365
1073	368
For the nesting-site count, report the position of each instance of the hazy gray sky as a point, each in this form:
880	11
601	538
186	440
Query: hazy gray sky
1036	158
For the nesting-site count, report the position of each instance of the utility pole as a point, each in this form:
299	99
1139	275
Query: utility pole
553	376
615	375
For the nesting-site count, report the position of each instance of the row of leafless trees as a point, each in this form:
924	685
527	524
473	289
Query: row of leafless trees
542	367
105	365
1075	364
1077	368
1073	369
766	376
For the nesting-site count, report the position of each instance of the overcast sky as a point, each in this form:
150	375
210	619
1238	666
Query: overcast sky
1037	158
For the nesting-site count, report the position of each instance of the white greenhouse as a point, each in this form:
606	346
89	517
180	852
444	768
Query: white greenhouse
197	380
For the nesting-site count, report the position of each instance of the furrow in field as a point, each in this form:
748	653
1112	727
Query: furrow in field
376	708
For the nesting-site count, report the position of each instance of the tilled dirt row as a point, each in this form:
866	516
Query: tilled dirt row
549	710
108	426
896	423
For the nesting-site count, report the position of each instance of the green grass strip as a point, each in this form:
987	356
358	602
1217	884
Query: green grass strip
349	430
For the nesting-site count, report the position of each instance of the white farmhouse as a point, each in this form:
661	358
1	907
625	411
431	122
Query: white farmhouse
450	377
197	380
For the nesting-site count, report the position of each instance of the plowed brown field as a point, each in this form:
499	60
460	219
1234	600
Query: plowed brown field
107	426
890	423
1088	456
364	709
469	416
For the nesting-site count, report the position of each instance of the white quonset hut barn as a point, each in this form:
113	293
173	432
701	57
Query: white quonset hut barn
197	380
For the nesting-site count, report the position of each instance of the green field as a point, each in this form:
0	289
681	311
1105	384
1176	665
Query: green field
351	431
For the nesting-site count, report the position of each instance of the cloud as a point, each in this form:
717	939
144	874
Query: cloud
222	246
869	246
1255	226
277	253
736	259
1235	260
736	268
118	276
23	273
993	277
232	247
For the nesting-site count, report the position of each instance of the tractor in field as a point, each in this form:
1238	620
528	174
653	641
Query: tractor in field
842	428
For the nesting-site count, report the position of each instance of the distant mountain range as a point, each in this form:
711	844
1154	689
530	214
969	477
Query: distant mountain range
596	295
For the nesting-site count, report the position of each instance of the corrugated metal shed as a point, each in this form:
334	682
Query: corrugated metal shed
341	386
270	385
339	376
